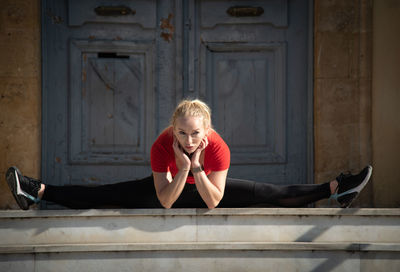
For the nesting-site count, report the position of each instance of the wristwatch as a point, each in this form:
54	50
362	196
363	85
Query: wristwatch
197	169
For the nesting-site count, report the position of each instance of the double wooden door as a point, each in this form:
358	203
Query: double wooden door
113	71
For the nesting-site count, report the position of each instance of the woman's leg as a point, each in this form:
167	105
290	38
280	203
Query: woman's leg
238	194
189	198
244	193
345	188
130	194
291	195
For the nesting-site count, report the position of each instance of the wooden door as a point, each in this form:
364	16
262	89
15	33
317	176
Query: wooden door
109	84
250	61
113	71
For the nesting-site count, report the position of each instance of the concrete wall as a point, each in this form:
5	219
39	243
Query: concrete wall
20	92
342	89
386	103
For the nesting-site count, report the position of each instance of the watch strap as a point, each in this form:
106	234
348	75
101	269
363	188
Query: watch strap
197	169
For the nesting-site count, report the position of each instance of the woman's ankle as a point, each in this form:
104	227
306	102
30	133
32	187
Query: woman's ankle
333	186
41	190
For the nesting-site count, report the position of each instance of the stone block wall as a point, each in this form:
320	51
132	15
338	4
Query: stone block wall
342	89
20	91
386	103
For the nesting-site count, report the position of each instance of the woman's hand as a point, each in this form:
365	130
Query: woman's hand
182	160
197	153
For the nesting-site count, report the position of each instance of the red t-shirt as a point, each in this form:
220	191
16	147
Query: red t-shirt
216	155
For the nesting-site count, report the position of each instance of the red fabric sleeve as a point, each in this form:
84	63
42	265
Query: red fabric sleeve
162	152
217	156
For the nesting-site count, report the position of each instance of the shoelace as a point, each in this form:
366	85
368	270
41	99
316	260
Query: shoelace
343	176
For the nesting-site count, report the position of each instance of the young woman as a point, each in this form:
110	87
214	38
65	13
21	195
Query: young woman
190	163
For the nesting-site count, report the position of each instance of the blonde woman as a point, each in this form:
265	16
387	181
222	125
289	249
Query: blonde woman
190	163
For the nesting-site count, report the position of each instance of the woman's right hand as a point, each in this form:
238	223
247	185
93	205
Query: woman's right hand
182	160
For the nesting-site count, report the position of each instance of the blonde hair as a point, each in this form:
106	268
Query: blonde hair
196	108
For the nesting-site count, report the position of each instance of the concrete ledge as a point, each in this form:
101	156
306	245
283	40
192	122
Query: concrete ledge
360	226
255	246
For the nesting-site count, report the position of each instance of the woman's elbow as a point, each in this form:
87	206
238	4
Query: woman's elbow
164	202
213	204
166	206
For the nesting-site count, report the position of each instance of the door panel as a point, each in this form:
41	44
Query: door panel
222	12
141	12
246	88
111	89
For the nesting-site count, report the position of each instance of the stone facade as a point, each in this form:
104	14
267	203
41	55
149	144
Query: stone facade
20	92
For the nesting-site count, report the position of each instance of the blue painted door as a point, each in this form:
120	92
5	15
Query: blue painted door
113	71
109	83
250	61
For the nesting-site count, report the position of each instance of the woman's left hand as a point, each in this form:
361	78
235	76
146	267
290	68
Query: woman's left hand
197	153
182	160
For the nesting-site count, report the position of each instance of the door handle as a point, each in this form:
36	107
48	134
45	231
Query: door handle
114	11
245	11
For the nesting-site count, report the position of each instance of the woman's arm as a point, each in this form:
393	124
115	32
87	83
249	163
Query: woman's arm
211	188
168	190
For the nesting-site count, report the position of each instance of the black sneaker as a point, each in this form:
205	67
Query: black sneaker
350	186
24	189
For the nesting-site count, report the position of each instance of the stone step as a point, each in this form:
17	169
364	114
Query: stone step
261	239
198	225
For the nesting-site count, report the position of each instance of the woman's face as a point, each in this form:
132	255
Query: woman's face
189	131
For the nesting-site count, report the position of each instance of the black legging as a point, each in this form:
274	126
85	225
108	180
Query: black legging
142	194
